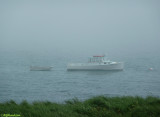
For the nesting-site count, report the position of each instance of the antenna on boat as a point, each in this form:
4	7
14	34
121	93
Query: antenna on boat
105	54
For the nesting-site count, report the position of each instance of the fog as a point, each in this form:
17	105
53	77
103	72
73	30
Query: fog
80	26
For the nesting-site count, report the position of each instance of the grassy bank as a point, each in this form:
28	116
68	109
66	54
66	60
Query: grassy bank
94	107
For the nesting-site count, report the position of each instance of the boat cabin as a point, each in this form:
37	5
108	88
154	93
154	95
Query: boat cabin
98	59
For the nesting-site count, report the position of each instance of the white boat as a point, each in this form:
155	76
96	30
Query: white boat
40	68
96	63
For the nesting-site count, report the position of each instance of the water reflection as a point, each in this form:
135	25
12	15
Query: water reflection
102	72
95	72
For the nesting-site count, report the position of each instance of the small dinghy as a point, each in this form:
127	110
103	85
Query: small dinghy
40	68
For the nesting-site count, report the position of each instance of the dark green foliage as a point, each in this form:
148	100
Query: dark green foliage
94	107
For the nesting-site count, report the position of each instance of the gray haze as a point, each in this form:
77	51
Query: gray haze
80	26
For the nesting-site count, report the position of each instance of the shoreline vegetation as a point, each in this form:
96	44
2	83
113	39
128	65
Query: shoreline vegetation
99	106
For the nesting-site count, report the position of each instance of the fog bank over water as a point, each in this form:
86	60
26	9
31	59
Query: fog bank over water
88	27
58	32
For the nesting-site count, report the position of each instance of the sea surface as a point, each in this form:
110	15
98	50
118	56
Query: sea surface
18	83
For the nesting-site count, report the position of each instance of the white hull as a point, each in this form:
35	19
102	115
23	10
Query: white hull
96	66
36	68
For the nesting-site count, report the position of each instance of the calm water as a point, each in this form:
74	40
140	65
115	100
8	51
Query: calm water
17	82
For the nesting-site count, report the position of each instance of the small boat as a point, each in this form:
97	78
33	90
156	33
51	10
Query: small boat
151	69
96	63
40	68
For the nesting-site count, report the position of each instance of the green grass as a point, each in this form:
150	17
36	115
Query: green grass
94	107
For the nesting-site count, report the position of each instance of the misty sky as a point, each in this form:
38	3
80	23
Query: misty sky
80	26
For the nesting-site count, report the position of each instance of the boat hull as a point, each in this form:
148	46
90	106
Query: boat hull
115	66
